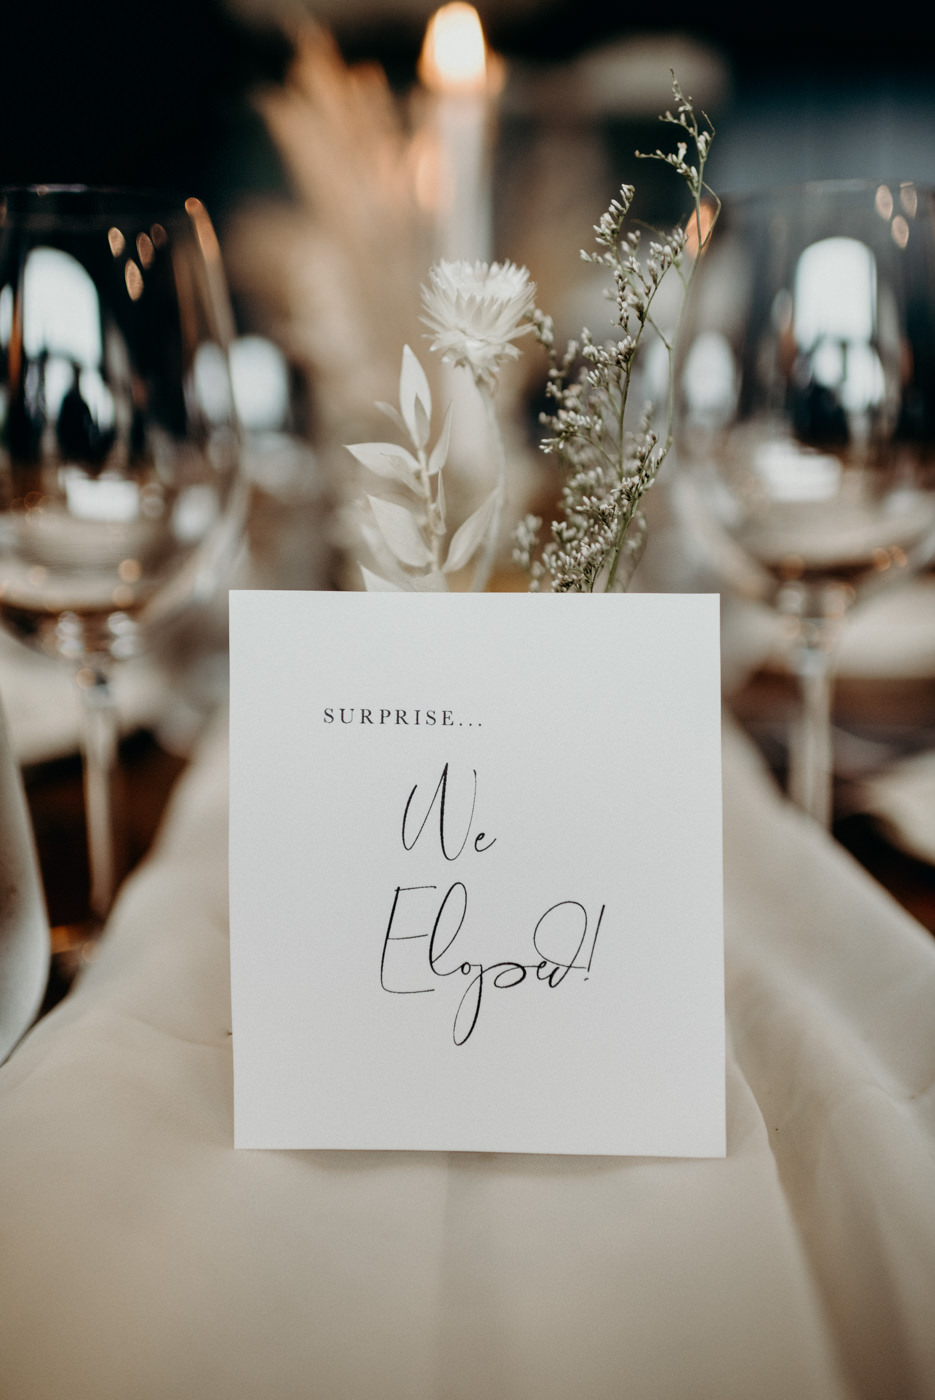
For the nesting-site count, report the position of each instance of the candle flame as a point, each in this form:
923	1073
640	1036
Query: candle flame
454	56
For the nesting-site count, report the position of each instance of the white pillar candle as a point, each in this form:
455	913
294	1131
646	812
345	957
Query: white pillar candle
462	79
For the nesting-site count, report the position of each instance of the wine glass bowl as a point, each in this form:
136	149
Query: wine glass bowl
121	495
118	455
806	414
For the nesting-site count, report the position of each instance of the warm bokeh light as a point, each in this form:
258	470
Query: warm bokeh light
454	56
883	202
204	231
130	570
885	205
134	280
706	216
909	198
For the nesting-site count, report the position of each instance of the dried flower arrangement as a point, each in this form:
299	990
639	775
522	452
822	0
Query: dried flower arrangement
475	312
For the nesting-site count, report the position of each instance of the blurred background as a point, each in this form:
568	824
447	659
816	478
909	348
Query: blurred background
177	94
164	93
297	124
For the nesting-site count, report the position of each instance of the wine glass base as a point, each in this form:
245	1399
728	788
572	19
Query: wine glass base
55	799
875	722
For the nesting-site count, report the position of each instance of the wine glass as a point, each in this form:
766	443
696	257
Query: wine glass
121	495
805	417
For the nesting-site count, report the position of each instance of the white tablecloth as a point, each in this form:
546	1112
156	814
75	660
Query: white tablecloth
142	1258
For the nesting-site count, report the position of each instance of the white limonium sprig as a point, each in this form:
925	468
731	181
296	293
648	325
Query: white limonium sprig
607	467
475	311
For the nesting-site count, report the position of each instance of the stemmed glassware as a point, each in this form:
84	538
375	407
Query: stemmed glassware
806	416
121	496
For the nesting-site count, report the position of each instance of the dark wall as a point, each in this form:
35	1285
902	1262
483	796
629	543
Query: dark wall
118	92
141	92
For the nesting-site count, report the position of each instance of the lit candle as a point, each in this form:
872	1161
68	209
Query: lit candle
463	78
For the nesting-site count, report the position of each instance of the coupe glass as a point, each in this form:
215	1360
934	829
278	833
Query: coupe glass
806	416
121	497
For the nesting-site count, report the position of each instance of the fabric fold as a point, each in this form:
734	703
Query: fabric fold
142	1255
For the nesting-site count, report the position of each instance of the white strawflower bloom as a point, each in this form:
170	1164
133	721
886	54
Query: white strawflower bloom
475	310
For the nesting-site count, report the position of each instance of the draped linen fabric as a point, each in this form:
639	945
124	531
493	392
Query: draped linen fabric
143	1258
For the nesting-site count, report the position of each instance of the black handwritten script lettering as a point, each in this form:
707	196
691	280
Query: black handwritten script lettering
427	939
441	798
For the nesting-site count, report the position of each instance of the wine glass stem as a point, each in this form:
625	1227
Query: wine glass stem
811	764
100	761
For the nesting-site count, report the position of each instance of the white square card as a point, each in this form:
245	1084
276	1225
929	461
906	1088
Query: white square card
475	872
